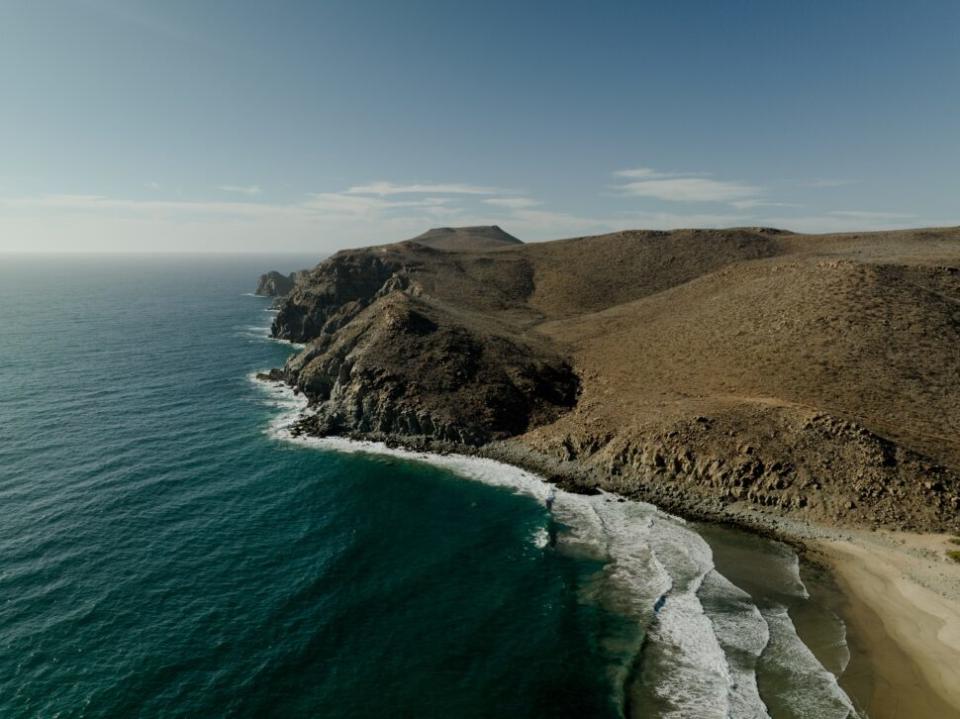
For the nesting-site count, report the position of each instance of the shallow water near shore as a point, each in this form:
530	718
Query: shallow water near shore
168	549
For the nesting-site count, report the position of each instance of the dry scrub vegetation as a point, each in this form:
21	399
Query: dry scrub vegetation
715	369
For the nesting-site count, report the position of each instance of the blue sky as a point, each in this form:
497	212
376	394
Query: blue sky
310	126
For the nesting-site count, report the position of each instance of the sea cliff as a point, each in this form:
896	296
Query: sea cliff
717	373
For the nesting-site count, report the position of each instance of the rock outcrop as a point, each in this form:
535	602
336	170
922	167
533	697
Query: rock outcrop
406	367
704	370
275	284
786	460
334	293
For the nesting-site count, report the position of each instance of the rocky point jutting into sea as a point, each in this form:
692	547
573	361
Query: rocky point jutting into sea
730	374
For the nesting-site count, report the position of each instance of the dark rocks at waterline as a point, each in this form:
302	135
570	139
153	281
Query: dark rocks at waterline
405	367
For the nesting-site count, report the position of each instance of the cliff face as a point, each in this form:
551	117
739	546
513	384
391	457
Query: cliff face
333	294
786	460
811	376
394	350
404	366
275	284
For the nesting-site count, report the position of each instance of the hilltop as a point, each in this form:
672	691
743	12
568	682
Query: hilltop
459	239
815	376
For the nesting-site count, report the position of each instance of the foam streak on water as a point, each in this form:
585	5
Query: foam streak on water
811	691
743	634
699	638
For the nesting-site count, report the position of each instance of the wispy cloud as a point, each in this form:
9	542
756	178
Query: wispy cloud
648	173
452	188
515	203
102	203
682	187
753	204
690	189
345	203
329	203
380	212
673	221
241	189
829	182
870	215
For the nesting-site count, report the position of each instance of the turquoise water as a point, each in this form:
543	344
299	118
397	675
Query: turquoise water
165	551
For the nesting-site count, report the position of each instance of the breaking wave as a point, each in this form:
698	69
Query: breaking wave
696	640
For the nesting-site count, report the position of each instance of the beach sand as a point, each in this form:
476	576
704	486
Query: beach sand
903	609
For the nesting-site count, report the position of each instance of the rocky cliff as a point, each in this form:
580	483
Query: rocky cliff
275	284
405	366
809	376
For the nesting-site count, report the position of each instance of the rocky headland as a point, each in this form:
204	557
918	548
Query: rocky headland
276	284
726	374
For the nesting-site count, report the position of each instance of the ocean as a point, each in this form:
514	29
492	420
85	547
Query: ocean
168	549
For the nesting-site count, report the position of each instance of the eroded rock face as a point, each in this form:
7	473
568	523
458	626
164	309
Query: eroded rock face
387	359
403	367
333	293
716	370
274	284
793	462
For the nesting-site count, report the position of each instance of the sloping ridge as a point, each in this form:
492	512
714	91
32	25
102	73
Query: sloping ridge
461	239
709	371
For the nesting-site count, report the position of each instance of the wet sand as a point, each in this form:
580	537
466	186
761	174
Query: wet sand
903	609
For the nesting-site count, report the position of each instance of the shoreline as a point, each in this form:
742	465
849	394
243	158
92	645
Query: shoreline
903	609
895	674
833	470
901	599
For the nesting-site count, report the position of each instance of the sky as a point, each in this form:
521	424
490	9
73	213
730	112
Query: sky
241	126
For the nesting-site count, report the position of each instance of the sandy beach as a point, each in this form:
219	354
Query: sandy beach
903	610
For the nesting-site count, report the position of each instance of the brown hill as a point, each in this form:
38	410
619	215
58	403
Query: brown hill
466	239
707	370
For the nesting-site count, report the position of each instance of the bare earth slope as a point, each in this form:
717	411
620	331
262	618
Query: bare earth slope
706	370
455	239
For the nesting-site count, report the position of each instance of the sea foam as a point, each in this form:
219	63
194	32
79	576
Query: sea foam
658	572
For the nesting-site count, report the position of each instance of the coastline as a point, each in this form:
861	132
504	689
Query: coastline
789	454
901	601
901	595
903	608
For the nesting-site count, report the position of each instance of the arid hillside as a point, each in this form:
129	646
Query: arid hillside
706	370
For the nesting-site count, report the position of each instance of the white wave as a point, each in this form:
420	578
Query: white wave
799	588
808	688
743	634
540	538
289	343
479	469
783	569
842	647
654	568
695	678
279	396
263	332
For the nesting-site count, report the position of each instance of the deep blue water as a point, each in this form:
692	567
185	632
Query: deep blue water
163	553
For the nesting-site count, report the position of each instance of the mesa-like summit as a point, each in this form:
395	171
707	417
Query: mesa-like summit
719	373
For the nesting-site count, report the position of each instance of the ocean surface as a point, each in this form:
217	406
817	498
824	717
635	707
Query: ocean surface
167	549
